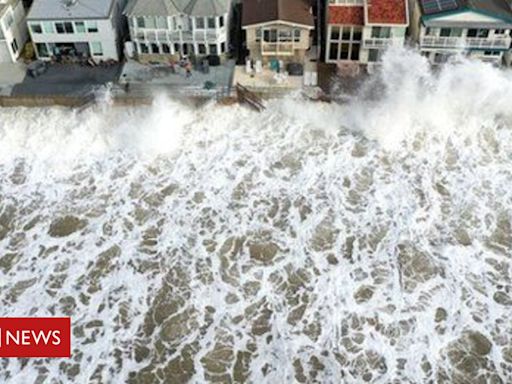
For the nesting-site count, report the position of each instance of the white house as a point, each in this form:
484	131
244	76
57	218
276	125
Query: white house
160	29
358	31
13	30
477	28
87	28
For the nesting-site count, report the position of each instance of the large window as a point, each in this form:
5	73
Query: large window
80	27
345	42
48	27
140	22
200	22
211	23
36	28
381	32
66	27
161	22
96	48
42	50
92	26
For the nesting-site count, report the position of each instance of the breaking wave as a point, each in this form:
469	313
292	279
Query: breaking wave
313	242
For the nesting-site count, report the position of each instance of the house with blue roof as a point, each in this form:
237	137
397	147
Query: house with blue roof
474	28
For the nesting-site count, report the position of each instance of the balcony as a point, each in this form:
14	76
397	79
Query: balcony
466	42
277	49
381	42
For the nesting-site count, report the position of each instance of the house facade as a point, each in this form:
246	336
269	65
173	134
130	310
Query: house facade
359	31
478	29
87	28
13	30
277	29
162	29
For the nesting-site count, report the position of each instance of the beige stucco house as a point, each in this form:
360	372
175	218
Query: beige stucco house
277	29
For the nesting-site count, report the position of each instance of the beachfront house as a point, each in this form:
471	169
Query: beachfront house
277	29
163	30
359	31
476	28
13	30
77	29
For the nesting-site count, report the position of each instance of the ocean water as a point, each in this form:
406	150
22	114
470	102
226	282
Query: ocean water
311	243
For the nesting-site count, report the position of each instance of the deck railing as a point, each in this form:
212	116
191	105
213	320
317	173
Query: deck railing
466	42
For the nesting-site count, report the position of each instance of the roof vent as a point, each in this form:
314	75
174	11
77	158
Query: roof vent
69	3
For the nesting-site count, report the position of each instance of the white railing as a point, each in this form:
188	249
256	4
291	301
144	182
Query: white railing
170	36
381	42
466	42
277	48
346	2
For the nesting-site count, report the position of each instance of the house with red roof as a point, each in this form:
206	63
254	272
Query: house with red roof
359	31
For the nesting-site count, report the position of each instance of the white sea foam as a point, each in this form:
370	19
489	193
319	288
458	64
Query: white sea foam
311	242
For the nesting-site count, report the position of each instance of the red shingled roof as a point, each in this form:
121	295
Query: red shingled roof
347	15
386	12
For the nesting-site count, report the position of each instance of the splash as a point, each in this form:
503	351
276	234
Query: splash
309	243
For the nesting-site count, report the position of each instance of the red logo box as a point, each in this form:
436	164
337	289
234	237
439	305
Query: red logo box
35	337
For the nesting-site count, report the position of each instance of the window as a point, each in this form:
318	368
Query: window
296	35
483	33
36	28
335	33
92	26
8	21
221	21
499	32
201	48
140	22
472	32
211	23
456	32
381	32
42	50
166	48
59	27
270	35
155	48
346	33
344	51
199	22
213	49
144	48
285	35
222	47
373	55
48	27
96	48
161	22
80	27
150	22
357	34
176	47
14	46
333	51
258	35
68	27
354	55
445	32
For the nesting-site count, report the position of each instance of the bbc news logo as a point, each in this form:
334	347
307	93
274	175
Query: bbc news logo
35	337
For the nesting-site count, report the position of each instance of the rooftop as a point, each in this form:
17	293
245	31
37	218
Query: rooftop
496	8
265	11
346	15
70	9
386	12
176	7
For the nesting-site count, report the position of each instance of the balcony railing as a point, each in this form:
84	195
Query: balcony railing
277	48
467	42
381	42
170	36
